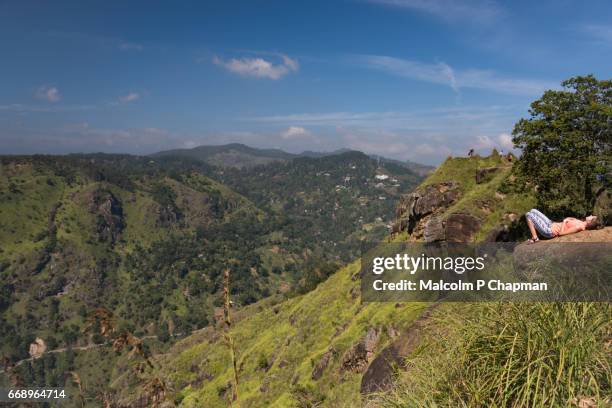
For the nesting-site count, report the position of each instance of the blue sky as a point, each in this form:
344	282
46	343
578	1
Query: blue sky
408	79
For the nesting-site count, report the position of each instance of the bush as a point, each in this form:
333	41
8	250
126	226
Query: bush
566	144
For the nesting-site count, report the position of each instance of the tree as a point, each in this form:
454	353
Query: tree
566	145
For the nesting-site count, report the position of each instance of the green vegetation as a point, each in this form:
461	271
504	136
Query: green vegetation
567	146
510	355
279	345
148	239
495	201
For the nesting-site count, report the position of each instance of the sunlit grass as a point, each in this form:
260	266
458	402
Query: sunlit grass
511	355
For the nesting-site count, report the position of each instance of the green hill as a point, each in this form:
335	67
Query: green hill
313	350
77	233
148	239
230	155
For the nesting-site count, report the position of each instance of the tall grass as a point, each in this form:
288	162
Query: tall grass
512	355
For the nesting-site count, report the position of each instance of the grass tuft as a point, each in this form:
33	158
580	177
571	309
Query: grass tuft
511	355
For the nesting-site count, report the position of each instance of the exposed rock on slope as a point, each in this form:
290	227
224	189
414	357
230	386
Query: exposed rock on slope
462	202
414	207
109	213
557	248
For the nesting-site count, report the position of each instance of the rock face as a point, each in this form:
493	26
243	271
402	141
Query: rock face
380	373
356	358
435	230
418	213
415	206
109	212
461	227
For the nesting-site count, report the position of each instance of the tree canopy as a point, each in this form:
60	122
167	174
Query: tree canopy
566	145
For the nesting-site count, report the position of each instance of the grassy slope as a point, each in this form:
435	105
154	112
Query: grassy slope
292	336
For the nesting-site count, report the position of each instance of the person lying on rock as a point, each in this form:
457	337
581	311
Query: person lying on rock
538	222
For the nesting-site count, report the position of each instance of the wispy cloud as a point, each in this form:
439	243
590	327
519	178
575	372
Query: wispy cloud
259	67
482	11
129	97
419	118
48	93
425	135
20	108
129	46
443	74
600	33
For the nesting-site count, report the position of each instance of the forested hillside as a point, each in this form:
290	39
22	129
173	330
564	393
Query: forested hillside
148	239
327	348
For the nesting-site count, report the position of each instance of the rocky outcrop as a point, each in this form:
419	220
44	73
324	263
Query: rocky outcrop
379	375
414	207
109	215
419	213
557	248
356	358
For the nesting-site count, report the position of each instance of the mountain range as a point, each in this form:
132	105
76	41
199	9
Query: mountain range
240	155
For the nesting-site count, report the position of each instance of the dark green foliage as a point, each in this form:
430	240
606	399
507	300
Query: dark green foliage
149	239
315	272
320	204
566	145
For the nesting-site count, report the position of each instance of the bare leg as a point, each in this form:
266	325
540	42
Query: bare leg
534	234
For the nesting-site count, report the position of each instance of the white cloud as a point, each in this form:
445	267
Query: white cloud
443	74
259	67
483	143
294	132
48	93
601	33
130	97
128	46
505	141
481	11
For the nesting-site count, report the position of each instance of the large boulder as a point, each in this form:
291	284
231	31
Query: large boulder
37	348
557	248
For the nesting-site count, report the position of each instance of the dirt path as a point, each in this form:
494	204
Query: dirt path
82	348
